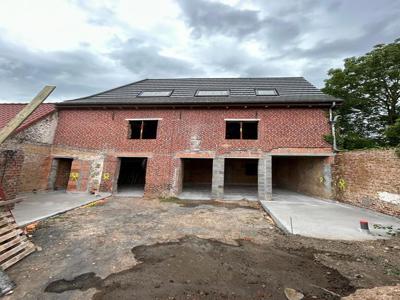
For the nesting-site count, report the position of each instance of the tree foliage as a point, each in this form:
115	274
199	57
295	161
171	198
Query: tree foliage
370	88
393	133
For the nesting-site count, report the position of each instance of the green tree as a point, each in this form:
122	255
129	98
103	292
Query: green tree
370	88
393	134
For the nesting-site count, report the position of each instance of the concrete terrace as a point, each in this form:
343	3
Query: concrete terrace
42	205
324	219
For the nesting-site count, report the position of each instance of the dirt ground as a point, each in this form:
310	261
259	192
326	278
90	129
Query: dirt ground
131	248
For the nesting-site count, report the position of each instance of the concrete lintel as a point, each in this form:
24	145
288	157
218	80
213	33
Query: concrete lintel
244	155
132	154
144	119
198	154
64	156
302	154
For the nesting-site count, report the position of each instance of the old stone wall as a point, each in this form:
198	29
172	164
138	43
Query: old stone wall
369	178
41	132
34	145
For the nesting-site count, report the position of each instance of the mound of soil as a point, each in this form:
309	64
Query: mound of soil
195	268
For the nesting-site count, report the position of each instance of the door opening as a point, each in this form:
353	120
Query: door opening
132	176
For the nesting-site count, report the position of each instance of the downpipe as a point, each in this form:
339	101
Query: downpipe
333	120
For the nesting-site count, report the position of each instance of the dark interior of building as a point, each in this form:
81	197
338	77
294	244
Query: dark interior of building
63	173
132	174
302	174
197	174
241	177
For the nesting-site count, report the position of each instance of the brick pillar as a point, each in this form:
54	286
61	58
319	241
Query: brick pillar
74	178
109	178
177	176
10	168
217	191
265	178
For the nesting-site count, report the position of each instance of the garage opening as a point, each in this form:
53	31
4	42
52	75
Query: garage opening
301	174
196	178
62	174
241	179
132	176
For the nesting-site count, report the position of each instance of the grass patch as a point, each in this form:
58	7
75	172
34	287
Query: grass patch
170	200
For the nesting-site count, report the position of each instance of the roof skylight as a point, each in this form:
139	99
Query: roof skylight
266	92
212	93
155	93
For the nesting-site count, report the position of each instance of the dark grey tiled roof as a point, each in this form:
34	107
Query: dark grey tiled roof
291	90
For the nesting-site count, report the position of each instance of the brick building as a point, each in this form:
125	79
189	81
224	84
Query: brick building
212	138
25	157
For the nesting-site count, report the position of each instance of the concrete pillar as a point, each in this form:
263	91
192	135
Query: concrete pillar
327	175
265	178
53	174
217	191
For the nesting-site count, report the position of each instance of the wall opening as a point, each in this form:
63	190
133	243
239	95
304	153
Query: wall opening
143	129
132	176
196	178
241	130
62	174
301	174
241	179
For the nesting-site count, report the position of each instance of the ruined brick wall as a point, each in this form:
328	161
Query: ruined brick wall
181	131
369	178
34	142
10	169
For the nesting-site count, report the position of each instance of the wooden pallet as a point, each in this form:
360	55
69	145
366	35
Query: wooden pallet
14	245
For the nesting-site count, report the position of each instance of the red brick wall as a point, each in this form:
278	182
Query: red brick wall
10	168
79	176
361	175
107	131
35	168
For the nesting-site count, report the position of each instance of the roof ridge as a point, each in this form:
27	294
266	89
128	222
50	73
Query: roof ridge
211	78
23	103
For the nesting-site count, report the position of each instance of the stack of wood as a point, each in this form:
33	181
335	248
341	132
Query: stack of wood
14	245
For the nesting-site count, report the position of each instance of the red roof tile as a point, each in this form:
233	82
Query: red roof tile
10	110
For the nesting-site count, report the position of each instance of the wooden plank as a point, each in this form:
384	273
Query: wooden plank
18	257
13	242
25	113
4	221
13	251
8	228
6	213
8	202
14	233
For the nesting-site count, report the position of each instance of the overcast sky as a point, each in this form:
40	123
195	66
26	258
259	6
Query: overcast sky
84	47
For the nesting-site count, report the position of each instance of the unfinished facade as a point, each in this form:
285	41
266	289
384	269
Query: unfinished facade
211	138
25	157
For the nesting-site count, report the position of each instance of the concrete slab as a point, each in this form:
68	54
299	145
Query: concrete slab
195	193
324	219
130	191
244	192
42	205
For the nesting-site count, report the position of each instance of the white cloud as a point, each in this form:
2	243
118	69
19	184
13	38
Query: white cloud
85	46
